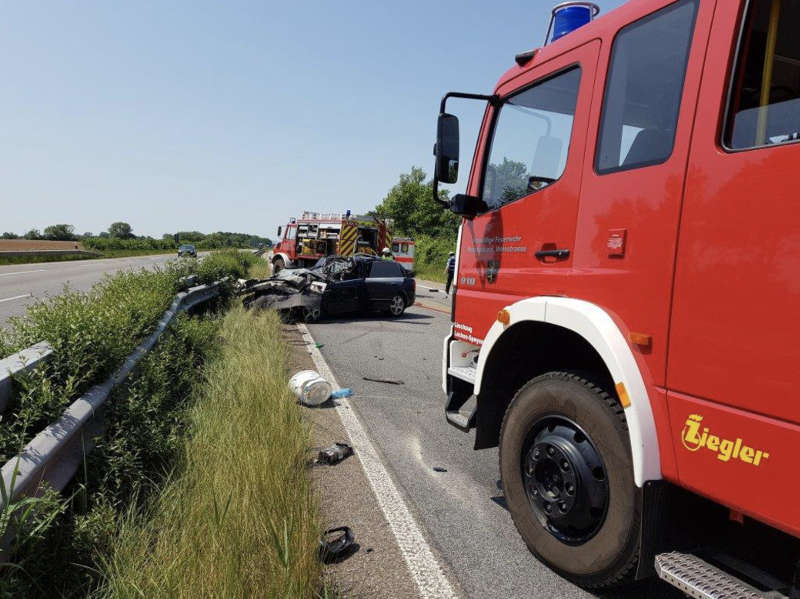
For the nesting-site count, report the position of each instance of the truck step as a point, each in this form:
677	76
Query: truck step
697	578
465	373
463	418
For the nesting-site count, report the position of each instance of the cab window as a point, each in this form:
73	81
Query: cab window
291	232
764	105
531	139
644	88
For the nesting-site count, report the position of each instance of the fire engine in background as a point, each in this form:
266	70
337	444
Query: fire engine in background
625	320
313	236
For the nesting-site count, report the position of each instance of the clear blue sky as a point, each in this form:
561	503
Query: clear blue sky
232	115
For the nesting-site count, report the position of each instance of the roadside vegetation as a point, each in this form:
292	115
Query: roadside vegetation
120	241
238	518
410	204
197	485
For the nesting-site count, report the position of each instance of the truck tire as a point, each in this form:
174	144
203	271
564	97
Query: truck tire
567	473
278	265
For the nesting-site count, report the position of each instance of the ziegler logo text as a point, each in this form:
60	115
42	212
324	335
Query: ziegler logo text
695	439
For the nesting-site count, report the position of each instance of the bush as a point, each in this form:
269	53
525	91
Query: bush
226	263
430	257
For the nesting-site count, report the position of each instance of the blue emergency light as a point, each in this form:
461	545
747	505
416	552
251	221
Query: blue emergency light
569	16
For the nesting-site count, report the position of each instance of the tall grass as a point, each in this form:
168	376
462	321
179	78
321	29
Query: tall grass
240	519
260	270
62	539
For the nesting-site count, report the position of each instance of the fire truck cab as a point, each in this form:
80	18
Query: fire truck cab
625	319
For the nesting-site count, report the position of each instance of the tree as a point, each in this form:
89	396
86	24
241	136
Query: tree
87	235
507	181
60	232
411	205
8	235
103	235
33	234
120	230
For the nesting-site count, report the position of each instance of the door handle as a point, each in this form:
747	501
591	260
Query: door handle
559	254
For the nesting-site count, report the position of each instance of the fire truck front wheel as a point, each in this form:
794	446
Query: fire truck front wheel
567	473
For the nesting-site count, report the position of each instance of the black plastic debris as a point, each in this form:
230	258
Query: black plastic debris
334	454
336	544
439	469
387	381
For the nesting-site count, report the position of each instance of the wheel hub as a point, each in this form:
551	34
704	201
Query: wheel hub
565	480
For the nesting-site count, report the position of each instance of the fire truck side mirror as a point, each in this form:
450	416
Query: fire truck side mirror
446	149
467	206
280	228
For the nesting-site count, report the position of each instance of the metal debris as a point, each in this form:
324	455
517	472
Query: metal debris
387	381
334	454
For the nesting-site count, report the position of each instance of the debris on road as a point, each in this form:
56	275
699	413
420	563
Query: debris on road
341	393
310	388
319	345
387	381
334	454
337	544
439	469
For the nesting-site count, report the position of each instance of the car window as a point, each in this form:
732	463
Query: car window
644	89
531	139
764	105
382	270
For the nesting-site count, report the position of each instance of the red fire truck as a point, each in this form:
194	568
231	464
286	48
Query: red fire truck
314	235
625	320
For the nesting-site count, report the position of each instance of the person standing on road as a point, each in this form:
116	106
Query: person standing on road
450	269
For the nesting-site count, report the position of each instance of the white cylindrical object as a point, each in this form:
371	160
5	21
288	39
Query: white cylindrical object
310	388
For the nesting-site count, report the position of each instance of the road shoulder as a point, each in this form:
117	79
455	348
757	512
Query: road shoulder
377	568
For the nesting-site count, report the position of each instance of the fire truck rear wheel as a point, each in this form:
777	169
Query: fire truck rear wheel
278	265
565	463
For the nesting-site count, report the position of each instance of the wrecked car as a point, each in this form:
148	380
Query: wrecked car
334	286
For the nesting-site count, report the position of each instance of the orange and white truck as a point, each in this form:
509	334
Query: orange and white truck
626	317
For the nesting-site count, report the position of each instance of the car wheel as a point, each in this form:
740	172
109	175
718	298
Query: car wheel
567	472
397	306
278	265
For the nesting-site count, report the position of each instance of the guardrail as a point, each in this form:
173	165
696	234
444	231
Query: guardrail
54	455
16	364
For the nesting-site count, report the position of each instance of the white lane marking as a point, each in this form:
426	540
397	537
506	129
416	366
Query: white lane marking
21	272
16	297
422	564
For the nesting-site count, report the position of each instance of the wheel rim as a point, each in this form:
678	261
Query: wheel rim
565	480
397	305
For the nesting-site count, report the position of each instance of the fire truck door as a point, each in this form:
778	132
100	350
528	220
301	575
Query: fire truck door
735	320
523	244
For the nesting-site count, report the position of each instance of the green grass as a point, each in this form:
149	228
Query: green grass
59	551
6	260
260	270
240	518
431	272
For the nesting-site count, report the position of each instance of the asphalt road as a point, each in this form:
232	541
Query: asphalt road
22	284
461	511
